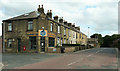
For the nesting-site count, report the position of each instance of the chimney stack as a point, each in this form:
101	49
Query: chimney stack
73	25
40	10
50	13
61	20
69	24
56	18
65	22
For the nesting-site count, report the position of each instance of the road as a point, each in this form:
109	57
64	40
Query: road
96	58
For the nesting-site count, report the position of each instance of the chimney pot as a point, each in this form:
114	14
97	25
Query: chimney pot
42	5
51	11
56	18
39	6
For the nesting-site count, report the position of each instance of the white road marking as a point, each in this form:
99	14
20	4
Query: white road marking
82	58
2	65
74	62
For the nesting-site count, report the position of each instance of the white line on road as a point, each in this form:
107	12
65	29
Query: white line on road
82	58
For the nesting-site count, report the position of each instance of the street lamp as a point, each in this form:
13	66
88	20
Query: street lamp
88	32
88	38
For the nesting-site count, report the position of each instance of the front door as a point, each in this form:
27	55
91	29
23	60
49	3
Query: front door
19	45
42	44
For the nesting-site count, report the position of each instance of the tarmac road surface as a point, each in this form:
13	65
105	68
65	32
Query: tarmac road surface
96	58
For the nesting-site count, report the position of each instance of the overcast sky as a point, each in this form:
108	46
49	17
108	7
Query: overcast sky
100	15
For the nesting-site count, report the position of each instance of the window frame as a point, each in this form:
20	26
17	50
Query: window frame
64	31
32	42
30	24
59	29
9	41
10	26
51	27
51	39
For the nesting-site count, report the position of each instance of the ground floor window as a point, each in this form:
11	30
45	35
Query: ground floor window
32	42
51	42
9	43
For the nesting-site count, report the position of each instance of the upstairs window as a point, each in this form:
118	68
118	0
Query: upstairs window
58	28
73	35
64	41
9	26
30	25
58	41
69	33
76	35
51	27
64	30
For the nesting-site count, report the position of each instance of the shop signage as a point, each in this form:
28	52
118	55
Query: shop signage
51	35
32	33
42	33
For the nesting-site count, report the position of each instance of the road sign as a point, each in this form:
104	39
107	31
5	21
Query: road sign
42	33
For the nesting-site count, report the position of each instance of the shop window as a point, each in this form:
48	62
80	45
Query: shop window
9	43
30	25
32	42
9	26
51	42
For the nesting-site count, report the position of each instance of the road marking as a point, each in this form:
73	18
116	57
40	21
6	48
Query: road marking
90	55
83	50
2	65
74	62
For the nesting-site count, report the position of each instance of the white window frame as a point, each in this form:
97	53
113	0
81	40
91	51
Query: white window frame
64	41
64	30
9	43
51	27
69	33
58	28
9	26
58	41
30	25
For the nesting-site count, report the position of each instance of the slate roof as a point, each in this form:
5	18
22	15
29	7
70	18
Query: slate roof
33	14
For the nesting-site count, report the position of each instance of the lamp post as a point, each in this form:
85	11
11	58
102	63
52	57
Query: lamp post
88	32
88	38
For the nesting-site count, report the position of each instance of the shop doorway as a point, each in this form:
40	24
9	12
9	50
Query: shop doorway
42	44
19	45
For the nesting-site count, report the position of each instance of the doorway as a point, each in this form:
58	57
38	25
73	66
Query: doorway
42	44
19	45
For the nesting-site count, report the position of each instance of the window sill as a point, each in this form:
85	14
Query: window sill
9	31
29	30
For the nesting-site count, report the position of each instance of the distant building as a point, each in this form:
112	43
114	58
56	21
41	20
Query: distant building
93	42
39	32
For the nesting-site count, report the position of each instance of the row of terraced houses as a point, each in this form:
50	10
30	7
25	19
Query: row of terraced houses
38	31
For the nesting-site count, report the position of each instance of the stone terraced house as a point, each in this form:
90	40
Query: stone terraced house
39	32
